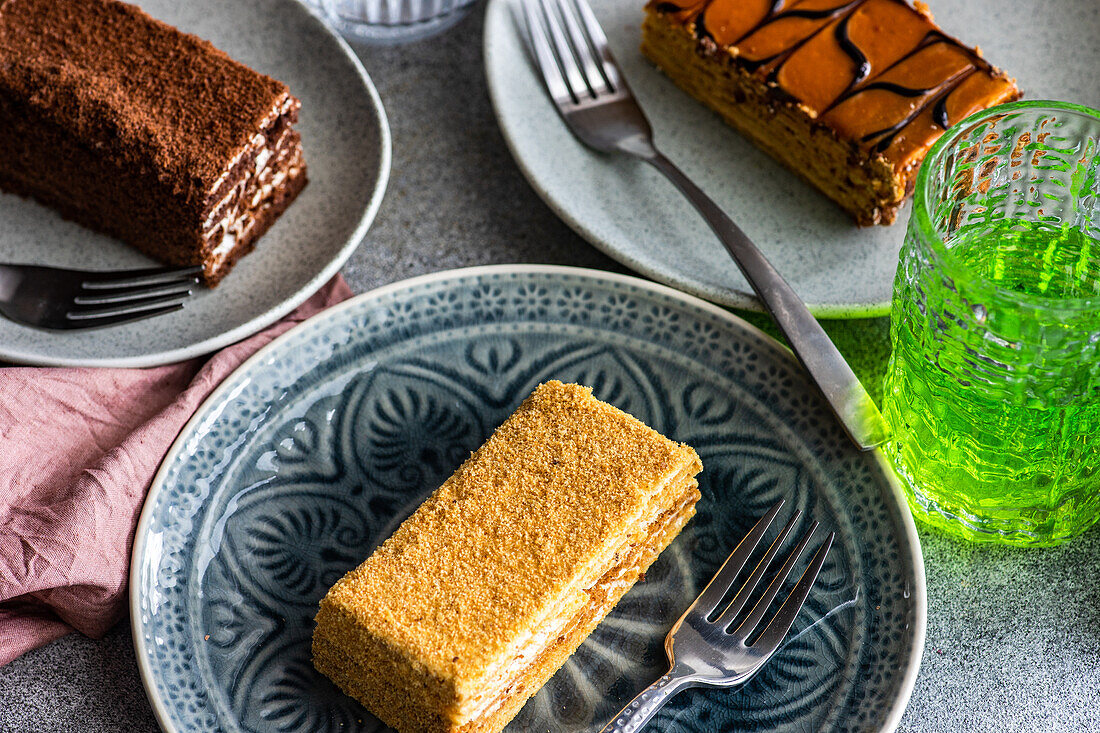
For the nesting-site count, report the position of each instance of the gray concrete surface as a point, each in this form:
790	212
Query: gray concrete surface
1013	636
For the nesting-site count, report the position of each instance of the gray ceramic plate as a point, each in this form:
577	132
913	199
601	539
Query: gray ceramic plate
317	448
347	149
634	215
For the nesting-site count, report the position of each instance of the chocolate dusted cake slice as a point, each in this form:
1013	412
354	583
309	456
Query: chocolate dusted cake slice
135	129
478	597
849	94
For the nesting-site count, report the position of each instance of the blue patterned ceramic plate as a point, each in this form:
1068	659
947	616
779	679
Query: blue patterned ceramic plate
318	447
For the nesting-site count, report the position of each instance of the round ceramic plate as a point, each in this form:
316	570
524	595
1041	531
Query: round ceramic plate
347	149
316	449
633	214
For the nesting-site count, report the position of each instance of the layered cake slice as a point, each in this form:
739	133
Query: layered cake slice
849	94
479	597
130	127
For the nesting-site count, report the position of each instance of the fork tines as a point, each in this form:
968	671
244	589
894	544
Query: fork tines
571	50
109	279
108	298
710	600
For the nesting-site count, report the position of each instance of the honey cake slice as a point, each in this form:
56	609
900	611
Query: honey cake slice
848	94
478	598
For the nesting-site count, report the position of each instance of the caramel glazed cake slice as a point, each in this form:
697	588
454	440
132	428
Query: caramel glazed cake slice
480	596
849	94
130	127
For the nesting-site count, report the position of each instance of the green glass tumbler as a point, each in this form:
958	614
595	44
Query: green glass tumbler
992	393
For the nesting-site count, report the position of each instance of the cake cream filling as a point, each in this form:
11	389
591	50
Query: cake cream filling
220	252
234	222
280	108
261	160
240	208
254	142
494	683
264	150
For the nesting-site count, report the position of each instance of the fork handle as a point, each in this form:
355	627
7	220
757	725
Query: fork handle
645	705
813	347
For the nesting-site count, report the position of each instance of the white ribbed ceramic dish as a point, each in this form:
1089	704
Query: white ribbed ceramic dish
390	21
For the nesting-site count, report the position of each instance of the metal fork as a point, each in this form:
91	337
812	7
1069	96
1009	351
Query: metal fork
713	652
58	299
592	96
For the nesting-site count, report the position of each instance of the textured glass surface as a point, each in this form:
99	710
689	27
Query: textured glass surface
390	21
993	389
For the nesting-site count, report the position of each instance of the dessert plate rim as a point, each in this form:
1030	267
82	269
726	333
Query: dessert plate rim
23	345
231	387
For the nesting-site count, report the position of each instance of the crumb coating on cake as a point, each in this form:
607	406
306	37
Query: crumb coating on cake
135	129
407	713
120	80
492	552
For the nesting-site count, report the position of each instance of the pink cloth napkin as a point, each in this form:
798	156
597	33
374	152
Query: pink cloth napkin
78	450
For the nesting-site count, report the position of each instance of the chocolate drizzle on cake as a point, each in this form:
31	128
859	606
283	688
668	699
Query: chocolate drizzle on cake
812	53
896	89
844	40
939	115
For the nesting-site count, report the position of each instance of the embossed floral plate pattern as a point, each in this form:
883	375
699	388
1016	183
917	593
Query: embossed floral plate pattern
317	448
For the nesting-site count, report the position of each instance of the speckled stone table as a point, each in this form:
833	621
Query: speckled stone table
1013	636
